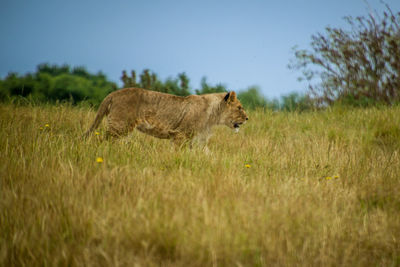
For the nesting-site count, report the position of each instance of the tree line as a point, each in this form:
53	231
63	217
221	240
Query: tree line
55	83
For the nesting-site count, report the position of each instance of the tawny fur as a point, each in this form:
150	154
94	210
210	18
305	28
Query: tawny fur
168	116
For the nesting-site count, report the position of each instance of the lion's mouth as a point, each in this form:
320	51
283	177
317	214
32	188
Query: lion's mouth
236	126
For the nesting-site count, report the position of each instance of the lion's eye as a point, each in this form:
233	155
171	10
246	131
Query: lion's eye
239	108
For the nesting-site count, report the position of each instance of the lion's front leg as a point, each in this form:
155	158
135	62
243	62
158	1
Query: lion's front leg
180	140
201	141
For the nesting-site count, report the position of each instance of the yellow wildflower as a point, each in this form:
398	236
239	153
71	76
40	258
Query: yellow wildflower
247	165
99	159
336	176
96	133
328	178
47	125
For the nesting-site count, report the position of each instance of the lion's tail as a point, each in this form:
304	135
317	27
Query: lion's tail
104	109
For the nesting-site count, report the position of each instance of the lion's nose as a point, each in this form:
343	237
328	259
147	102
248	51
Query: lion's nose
247	118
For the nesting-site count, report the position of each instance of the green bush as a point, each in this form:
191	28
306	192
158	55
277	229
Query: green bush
52	83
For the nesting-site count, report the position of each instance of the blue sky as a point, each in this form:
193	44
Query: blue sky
236	43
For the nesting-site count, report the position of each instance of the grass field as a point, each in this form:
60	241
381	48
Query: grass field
291	189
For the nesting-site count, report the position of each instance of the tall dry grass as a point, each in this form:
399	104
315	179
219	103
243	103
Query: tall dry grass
319	189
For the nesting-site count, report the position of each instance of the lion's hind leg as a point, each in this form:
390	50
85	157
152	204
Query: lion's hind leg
117	128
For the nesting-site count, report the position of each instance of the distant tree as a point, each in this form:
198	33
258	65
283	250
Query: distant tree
149	80
53	70
69	87
125	79
209	89
129	81
359	66
43	87
146	79
295	102
133	79
252	98
184	83
81	71
153	79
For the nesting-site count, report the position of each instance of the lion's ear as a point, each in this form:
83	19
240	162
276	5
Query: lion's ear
231	96
226	96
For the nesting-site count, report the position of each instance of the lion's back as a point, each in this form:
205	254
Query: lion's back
153	105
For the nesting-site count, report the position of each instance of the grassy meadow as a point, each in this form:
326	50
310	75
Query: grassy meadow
290	189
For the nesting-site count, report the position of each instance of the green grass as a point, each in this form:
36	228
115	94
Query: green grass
322	190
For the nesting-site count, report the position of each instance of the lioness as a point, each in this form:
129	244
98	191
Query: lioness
168	116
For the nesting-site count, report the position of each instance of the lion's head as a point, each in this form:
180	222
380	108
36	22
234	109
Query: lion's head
234	114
